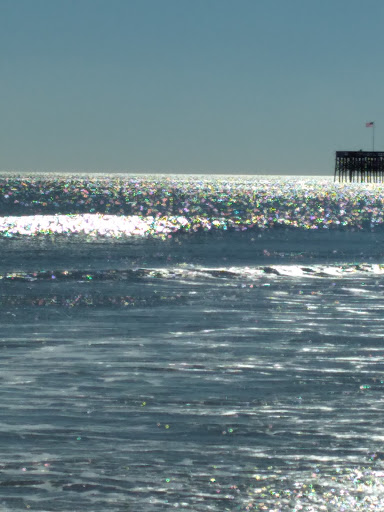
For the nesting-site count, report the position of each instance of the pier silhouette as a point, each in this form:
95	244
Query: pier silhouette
359	166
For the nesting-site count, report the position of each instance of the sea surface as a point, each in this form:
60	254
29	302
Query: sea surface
191	343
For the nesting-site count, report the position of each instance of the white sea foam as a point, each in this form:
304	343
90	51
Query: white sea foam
92	225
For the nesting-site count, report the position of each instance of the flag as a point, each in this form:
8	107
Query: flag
370	124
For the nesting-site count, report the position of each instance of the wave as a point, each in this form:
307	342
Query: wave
196	274
92	226
174	286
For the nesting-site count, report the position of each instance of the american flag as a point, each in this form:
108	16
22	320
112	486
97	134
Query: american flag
370	124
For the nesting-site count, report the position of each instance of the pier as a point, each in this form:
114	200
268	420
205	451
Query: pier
359	166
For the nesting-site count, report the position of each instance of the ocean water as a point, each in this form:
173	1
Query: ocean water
192	343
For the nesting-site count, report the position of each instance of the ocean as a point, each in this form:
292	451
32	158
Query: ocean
191	342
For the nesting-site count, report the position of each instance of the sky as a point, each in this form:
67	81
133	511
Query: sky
189	86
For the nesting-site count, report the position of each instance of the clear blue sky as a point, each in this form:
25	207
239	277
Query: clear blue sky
224	86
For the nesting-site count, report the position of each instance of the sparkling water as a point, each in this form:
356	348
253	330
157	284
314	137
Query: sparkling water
192	343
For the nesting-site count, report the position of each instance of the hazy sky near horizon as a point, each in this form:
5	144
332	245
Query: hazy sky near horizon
222	86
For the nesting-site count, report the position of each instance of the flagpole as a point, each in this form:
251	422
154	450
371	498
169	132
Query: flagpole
371	124
373	136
